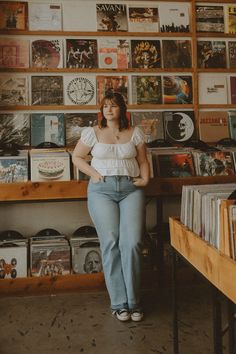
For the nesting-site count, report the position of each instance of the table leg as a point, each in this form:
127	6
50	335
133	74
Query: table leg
217	323
175	305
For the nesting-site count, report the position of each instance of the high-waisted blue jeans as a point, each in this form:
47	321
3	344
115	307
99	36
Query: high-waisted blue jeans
117	209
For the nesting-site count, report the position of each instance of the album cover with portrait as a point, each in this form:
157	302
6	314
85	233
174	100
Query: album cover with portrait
112	17
80	90
211	54
151	123
179	126
114	83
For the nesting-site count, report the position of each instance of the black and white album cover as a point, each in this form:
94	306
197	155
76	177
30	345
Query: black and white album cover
179	126
80	90
15	128
81	53
13	90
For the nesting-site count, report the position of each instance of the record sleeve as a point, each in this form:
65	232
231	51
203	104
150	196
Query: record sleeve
211	54
143	19
79	16
113	53
45	17
146	89
80	90
233	89
47	90
177	89
81	53
231	19
14	169
76	123
210	18
15	128
177	53
179	126
114	83
151	123
174	17
14	53
212	89
232	54
47	53
213	125
112	17
176	165
13	260
14	15
145	53
47	127
13	90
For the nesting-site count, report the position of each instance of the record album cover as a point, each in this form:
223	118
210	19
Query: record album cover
14	169
176	165
13	260
114	83
86	255
112	17
13	90
231	19
113	53
211	54
45	17
80	90
233	89
213	125
232	124
179	126
215	163
76	123
176	53
14	15
212	89
174	17
177	89
151	123
47	53
14	53
232	54
47	90
145	53
81	53
15	128
210	18
47	127
146	89
143	19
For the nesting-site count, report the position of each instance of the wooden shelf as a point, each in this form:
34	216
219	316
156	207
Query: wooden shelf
51	285
75	190
219	269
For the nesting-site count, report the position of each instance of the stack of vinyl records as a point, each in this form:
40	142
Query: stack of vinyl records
13	255
49	254
85	250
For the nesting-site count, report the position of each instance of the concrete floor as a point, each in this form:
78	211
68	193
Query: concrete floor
82	323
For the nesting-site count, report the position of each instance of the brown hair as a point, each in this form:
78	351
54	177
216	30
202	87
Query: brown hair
118	99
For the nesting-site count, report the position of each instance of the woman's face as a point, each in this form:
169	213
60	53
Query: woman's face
111	111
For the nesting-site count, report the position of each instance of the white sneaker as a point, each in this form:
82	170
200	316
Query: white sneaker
121	314
137	315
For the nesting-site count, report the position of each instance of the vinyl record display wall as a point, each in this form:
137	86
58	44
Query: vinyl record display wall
59	58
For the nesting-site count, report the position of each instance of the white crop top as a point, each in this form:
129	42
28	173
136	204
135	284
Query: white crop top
114	159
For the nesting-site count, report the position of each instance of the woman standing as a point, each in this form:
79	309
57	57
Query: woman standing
119	170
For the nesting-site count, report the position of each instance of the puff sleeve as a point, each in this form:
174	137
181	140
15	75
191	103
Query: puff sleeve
138	136
88	137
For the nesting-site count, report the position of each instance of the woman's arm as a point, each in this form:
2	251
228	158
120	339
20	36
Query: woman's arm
143	165
78	158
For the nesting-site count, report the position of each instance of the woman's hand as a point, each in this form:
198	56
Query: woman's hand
139	182
97	178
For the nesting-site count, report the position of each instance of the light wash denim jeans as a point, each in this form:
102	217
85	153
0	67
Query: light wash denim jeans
117	209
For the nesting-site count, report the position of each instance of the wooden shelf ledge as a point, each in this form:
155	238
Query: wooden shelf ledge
216	267
51	285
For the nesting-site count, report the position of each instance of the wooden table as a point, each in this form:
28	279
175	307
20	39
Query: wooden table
218	269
